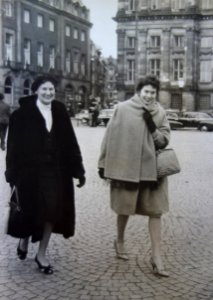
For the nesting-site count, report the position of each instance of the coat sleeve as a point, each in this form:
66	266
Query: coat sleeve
75	157
13	144
161	136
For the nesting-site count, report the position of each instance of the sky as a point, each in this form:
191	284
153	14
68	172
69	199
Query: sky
103	31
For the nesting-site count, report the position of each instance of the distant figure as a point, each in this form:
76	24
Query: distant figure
136	130
95	114
4	120
43	157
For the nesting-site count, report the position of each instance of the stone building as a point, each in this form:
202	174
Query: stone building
110	89
172	39
45	36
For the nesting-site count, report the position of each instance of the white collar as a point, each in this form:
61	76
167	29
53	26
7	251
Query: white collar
42	106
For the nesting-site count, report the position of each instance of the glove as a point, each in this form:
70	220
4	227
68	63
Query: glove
101	173
149	121
82	181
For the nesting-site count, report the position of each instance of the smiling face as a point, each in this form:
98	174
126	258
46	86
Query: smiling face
46	92
148	94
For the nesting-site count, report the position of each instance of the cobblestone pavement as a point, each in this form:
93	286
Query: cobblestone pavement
86	266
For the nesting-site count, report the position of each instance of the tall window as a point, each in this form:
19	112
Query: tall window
155	41
130	70
154	4
67	30
27	89
9	47
26	16
206	4
8	9
132	4
40	21
52	57
179	41
83	36
177	69
155	67
76	62
75	33
40	55
27	52
8	85
205	71
52	25
178	4
83	65
131	42
68	61
206	42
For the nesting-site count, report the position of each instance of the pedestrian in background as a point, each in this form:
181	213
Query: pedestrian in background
137	129
43	157
4	120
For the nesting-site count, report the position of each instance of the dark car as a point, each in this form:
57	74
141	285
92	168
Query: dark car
173	120
200	120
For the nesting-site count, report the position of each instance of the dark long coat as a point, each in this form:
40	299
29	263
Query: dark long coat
24	149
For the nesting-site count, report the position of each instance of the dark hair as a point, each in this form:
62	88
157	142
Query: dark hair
1	96
148	80
42	79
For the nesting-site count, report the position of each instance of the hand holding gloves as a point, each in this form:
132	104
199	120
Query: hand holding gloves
149	121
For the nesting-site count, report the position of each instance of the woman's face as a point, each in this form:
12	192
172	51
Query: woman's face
148	94
46	92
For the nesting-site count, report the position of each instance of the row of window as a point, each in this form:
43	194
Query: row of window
74	61
155	41
8	85
178	41
178	69
8	8
52	26
175	4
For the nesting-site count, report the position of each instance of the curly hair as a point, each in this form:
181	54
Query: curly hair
42	79
148	80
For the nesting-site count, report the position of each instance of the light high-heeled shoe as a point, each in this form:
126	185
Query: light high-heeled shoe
157	271
120	250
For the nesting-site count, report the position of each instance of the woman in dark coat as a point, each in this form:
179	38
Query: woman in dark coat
43	157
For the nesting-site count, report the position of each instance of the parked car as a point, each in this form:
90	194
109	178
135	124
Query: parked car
105	115
83	116
200	120
173	120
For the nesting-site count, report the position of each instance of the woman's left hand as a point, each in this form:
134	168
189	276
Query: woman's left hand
149	121
82	181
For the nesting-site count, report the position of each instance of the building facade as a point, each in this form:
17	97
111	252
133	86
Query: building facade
172	39
45	36
110	89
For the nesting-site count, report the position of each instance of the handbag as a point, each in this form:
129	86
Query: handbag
16	225
167	162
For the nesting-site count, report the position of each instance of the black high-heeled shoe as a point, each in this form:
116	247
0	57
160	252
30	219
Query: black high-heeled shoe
22	254
157	271
45	269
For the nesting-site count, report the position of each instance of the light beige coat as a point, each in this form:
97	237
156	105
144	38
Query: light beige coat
128	155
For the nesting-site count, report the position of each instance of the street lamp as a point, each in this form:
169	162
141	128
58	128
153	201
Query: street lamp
181	84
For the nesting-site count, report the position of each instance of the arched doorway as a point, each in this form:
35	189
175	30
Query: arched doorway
8	91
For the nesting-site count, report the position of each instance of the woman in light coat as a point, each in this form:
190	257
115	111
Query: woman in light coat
137	129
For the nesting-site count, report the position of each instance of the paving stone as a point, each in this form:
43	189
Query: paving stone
86	266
